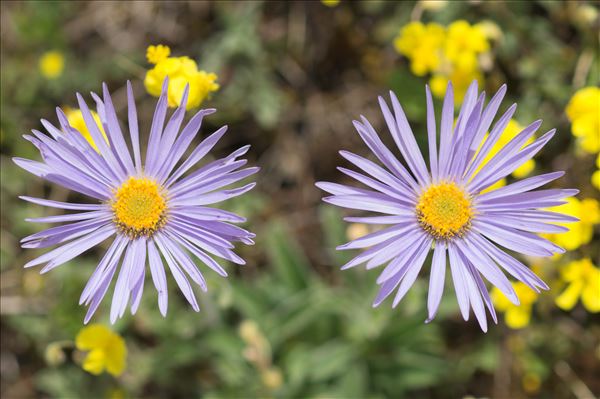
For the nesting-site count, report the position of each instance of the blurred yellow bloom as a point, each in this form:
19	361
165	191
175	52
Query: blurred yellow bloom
52	64
75	118
181	71
356	230
106	350
596	174
464	38
580	233
158	53
583	279
448	53
583	111
272	378
330	3
515	316
531	383
422	44
513	128
433	5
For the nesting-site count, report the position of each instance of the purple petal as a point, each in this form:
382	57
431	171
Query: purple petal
159	278
436	279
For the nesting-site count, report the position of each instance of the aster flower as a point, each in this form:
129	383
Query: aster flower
154	211
443	209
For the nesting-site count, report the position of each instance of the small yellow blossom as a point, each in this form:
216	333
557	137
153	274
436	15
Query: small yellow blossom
448	53
330	3
464	38
531	383
272	378
422	44
580	233
513	128
181	71
75	118
158	53
52	64
356	230
583	111
583	281
515	316
107	350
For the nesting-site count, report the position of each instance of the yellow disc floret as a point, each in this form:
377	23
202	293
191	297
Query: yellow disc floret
444	210
140	207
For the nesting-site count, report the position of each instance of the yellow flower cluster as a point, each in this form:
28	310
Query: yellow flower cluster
512	129
75	118
583	111
52	64
515	316
106	349
181	71
580	233
448	53
583	281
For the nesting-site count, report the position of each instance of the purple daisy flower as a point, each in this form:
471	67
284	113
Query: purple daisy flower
444	209
154	211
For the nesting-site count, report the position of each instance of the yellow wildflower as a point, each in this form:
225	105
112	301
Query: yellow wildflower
330	3
583	111
515	316
583	279
422	44
356	230
75	118
158	53
181	71
106	350
52	64
463	38
580	233
531	383
447	53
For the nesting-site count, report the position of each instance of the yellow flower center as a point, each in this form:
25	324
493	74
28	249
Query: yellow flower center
444	211
140	207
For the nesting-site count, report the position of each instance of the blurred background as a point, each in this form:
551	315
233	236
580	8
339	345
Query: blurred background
292	76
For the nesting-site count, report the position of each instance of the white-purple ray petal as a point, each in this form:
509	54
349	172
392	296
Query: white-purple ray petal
436	280
431	135
415	261
159	277
180	279
199	152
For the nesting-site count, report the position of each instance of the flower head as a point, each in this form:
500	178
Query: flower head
155	211
52	64
583	281
445	206
583	111
107	350
181	71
